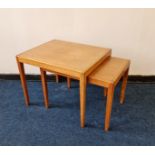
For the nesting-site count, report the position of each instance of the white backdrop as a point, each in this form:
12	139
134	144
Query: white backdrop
129	32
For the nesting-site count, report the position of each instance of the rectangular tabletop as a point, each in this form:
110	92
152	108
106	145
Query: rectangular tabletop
65	57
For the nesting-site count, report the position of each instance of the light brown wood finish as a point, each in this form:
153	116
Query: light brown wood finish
82	99
109	106
105	91
110	71
23	81
65	57
44	86
108	75
68	82
123	88
72	60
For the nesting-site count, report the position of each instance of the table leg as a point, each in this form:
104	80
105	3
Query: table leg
68	82
23	81
44	86
123	88
82	100
110	95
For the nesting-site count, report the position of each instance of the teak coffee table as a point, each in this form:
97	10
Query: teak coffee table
69	59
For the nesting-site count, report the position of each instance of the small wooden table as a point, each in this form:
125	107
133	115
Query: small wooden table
73	60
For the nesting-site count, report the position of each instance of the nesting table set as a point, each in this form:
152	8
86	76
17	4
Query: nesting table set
88	64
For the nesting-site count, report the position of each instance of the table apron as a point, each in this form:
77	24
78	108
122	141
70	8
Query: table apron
53	69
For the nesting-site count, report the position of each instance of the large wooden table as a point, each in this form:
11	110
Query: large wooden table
72	60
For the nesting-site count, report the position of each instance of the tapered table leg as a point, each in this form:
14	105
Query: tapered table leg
109	106
68	82
82	100
23	81
123	88
44	86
